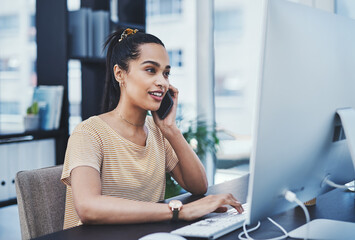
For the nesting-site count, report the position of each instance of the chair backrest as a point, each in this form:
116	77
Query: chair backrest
41	201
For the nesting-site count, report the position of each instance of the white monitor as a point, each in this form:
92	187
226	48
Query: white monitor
307	75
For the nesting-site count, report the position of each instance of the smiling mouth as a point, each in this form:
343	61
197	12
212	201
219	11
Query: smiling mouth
158	94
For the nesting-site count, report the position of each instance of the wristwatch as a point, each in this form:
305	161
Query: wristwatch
175	206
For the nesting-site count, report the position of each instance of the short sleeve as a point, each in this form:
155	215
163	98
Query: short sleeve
171	158
84	149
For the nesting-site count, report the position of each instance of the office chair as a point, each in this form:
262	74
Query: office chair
41	201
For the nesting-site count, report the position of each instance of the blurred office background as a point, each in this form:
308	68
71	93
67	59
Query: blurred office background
237	31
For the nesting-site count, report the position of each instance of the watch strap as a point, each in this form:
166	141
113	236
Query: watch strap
175	215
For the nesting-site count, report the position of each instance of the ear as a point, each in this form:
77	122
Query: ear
118	73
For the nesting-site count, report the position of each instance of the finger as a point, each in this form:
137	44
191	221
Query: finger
156	118
235	203
238	206
221	209
155	115
174	90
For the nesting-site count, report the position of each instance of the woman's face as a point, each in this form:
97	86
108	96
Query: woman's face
147	79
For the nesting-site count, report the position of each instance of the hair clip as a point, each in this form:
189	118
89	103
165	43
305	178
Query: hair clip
127	32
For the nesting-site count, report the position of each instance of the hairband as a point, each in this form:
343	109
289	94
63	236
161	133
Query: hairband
127	32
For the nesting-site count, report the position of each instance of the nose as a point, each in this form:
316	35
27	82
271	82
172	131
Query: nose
162	83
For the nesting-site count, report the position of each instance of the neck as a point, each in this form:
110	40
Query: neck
135	120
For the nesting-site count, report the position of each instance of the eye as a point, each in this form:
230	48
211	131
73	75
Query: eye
150	70
166	74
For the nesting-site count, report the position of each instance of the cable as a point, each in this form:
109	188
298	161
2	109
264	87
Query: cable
351	186
289	196
280	227
333	184
246	231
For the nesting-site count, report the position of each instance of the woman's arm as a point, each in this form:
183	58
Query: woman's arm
94	208
189	172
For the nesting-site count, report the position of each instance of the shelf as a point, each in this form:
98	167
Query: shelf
29	136
53	54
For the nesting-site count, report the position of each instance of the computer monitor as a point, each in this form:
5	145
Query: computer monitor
307	75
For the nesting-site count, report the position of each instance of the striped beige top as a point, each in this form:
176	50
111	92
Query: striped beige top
127	170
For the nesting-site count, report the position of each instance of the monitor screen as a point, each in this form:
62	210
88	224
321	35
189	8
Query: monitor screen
307	74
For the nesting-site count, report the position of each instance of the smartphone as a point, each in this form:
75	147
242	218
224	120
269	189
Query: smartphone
165	106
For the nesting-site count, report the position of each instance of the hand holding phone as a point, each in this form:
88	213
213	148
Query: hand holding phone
165	106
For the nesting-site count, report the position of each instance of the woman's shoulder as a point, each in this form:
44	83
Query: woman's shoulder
150	122
90	125
153	128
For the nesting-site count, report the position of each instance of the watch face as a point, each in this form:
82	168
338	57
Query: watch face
175	204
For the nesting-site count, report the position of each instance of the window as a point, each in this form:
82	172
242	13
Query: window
178	33
233	72
175	57
17	62
9	64
163	7
9	107
237	36
228	24
9	25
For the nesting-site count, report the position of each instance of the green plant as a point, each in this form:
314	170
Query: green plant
33	109
172	187
203	139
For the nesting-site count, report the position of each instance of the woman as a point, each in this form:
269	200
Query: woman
115	162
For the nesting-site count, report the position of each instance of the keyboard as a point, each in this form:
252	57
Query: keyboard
215	226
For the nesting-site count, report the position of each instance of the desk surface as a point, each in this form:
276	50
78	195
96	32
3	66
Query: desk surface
337	205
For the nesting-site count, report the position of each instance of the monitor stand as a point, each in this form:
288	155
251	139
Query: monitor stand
347	118
326	228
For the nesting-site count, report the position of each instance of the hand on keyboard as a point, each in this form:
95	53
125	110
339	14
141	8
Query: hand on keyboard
214	226
206	205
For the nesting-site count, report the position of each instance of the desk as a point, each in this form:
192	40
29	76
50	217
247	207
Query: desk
336	204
